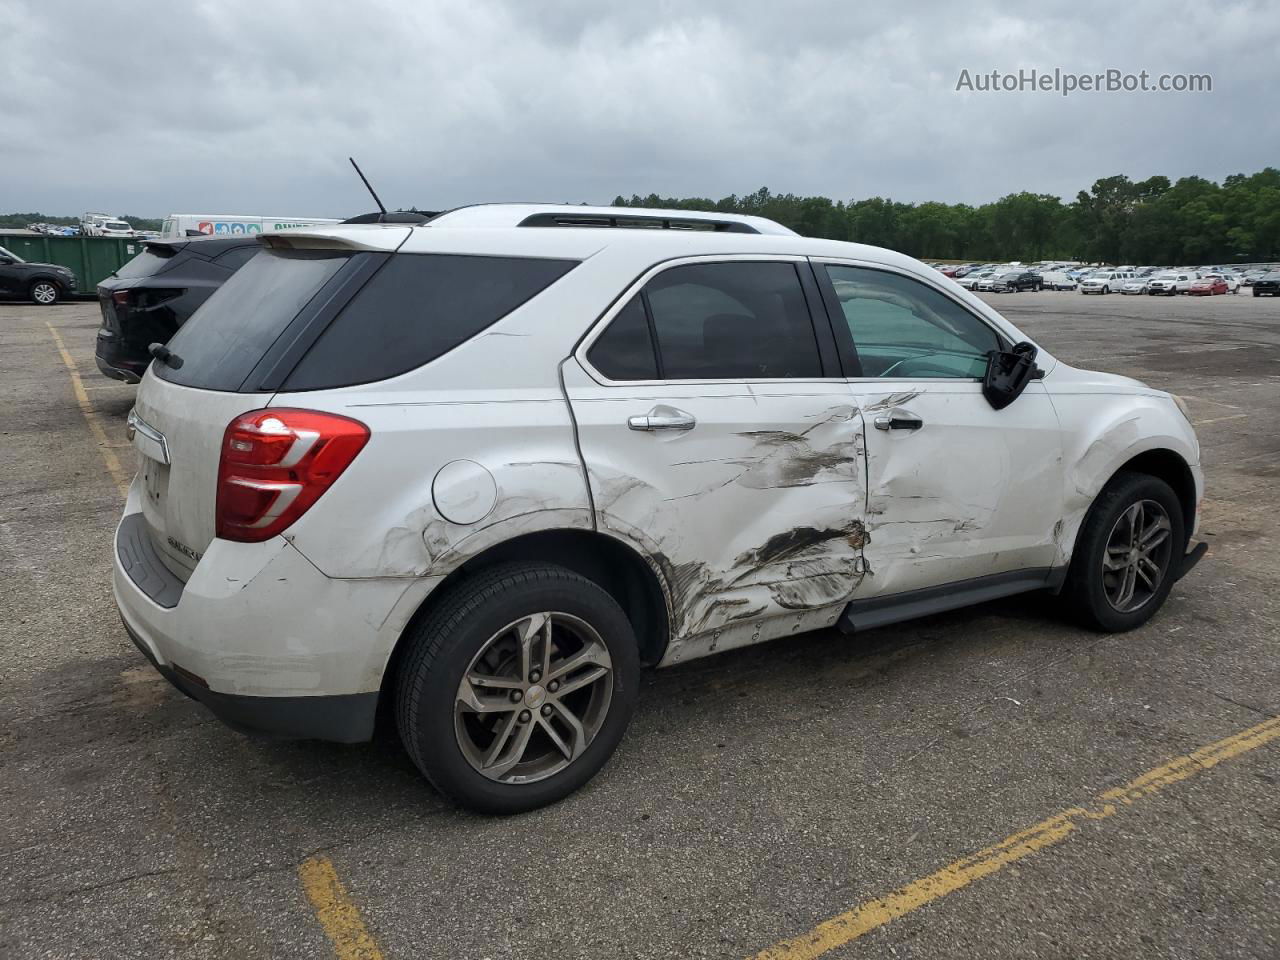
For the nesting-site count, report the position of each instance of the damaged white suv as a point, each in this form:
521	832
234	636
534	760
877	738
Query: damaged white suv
482	470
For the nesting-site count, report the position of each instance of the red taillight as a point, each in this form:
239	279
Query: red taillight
276	463
120	298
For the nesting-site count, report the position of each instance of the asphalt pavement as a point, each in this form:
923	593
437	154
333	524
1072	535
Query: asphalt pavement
759	794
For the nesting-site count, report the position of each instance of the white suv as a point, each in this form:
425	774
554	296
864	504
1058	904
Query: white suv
1105	281
482	470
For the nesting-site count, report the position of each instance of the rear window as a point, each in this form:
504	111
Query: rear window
226	338
415	309
147	264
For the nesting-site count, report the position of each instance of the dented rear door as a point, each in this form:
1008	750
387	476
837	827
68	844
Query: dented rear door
747	493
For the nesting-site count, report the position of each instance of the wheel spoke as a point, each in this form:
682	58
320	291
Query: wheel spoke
586	678
1135	516
496	767
1148	570
495	683
471	700
555	737
531	630
1128	584
574	724
1116	559
592	654
1155	534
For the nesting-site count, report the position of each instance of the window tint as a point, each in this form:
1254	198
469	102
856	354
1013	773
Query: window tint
228	335
415	309
625	350
732	321
903	328
146	264
237	257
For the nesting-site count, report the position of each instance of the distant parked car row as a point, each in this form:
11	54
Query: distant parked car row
1153	281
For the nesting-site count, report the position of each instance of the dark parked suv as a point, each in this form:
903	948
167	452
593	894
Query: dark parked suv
1014	281
152	295
43	283
1267	285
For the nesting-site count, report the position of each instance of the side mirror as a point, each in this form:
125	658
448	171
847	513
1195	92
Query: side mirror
1008	373
4	261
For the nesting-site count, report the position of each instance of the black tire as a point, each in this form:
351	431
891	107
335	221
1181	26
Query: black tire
1084	591
443	646
44	293
1256	293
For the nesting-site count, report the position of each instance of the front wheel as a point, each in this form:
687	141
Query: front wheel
1127	554
44	292
517	687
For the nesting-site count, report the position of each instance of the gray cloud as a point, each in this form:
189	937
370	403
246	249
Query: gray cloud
252	107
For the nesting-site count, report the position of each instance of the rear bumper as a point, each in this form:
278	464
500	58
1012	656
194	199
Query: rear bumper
261	637
116	361
342	719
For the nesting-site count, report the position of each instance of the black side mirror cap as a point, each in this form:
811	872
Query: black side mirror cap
1008	373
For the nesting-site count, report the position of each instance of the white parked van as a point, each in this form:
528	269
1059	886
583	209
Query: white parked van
178	225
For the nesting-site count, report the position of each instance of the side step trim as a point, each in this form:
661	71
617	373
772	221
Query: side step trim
881	611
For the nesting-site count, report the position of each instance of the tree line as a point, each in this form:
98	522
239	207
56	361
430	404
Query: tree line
19	221
1118	220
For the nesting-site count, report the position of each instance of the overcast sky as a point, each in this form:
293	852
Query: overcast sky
252	106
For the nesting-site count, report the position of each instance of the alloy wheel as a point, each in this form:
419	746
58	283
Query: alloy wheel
533	698
1137	556
45	293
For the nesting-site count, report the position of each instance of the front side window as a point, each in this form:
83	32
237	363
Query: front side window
904	329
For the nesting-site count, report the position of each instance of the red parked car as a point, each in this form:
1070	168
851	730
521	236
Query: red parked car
1208	286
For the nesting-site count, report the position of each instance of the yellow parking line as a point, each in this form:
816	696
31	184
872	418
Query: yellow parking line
851	925
91	417
1234	416
338	915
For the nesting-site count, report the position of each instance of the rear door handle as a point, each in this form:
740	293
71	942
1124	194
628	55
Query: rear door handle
663	418
899	422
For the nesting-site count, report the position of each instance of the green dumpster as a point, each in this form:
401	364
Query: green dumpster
91	259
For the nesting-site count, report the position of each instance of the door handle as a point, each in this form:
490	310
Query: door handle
664	420
898	423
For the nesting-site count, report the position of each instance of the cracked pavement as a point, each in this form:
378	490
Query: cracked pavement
758	792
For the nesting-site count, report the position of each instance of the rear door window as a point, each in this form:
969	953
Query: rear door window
732	321
415	309
227	337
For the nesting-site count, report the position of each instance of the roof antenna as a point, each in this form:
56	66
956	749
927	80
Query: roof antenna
367	186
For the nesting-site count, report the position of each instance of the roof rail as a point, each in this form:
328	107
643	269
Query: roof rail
399	216
636	222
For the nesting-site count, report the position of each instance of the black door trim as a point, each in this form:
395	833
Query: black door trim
896	607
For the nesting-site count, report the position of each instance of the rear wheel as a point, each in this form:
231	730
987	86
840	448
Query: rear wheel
517	687
1125	559
44	292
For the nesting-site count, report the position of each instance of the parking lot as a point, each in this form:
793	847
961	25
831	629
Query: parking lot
993	782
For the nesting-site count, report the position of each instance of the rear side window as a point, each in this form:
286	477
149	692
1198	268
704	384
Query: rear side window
237	257
625	350
227	337
718	321
148	263
415	309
